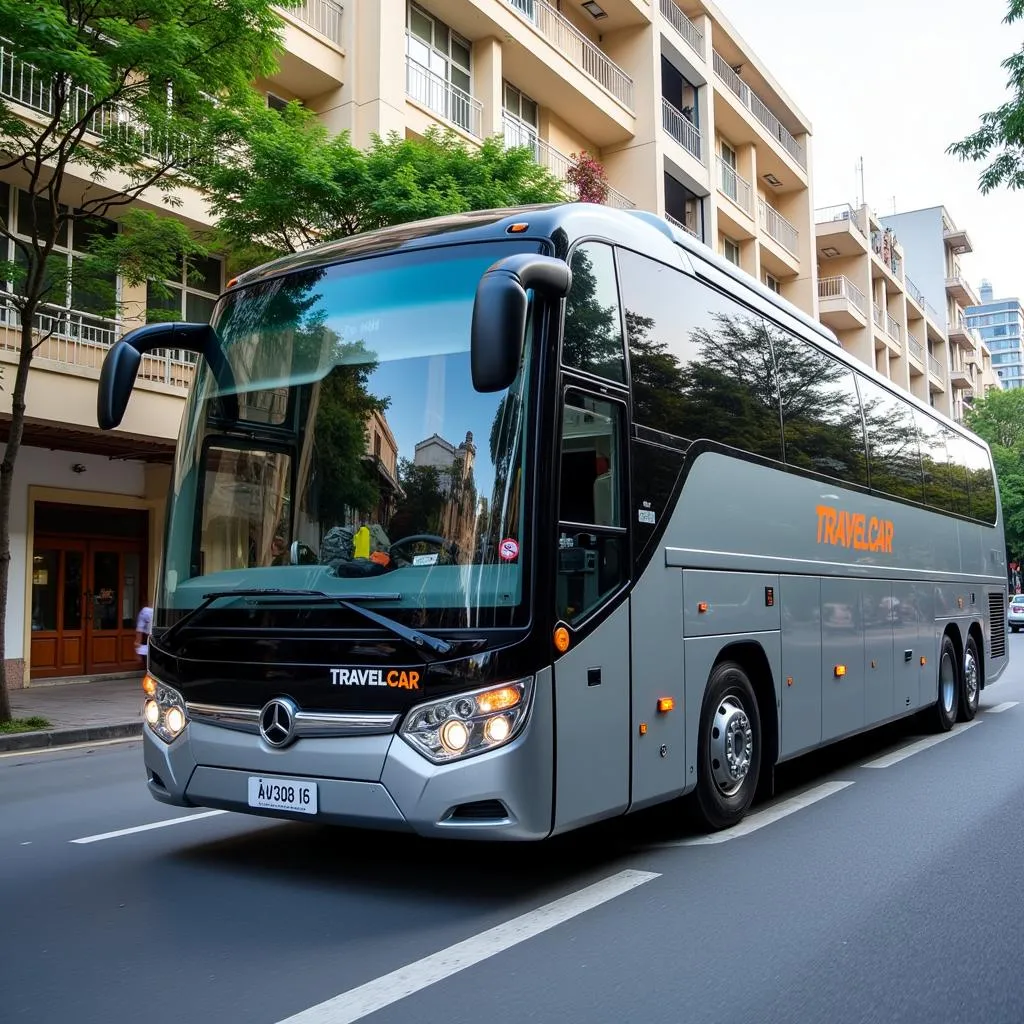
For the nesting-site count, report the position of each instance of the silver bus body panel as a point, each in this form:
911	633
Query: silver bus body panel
800	707
369	781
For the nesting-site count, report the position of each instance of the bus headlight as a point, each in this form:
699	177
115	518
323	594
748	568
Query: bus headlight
165	711
469	723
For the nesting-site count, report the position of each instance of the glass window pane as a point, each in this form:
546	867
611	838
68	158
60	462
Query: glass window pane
701	365
421	26
938	482
460	79
45	581
529	111
198	308
162	307
461	53
511	99
74	562
84	233
893	451
959	470
96	294
592	339
205	274
44	218
591	470
821	416
106	584
983	488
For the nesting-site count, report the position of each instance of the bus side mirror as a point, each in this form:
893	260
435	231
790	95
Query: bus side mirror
122	362
499	314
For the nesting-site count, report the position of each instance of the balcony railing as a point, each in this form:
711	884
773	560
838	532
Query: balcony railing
565	37
877	315
679	224
682	24
735	187
757	107
519	133
842	288
934	366
72	338
681	128
443	98
841	212
778	227
323	16
915	346
892	328
915	293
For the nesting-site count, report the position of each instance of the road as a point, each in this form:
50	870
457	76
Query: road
882	883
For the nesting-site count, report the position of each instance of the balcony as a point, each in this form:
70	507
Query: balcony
448	101
322	16
680	128
735	187
915	293
518	133
935	367
749	99
959	378
893	329
961	291
311	61
962	335
959	241
778	228
842	305
878	316
684	27
563	35
915	348
682	227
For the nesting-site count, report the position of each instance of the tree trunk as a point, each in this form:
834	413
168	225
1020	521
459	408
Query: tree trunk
7	490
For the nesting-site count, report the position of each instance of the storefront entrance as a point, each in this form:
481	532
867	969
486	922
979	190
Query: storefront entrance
88	585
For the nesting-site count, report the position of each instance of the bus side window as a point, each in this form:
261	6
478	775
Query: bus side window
592	550
592	340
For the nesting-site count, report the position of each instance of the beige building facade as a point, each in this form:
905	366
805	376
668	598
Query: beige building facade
685	119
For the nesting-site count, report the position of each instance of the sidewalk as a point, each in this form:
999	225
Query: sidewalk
78	712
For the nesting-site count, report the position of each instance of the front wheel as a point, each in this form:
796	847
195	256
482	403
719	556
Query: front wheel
728	748
943	713
970	685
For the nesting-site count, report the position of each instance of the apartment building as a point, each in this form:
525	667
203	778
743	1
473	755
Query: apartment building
1000	323
684	117
934	246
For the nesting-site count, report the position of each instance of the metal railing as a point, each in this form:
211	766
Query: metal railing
915	293
443	98
682	24
778	227
892	328
842	288
72	338
565	37
679	224
735	187
518	133
759	109
323	16
915	346
877	315
934	366
840	212
681	128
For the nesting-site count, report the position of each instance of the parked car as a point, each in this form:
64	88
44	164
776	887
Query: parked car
1015	615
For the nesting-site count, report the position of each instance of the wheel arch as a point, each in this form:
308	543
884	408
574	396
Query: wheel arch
751	657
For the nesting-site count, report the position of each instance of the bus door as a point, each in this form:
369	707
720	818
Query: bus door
591	679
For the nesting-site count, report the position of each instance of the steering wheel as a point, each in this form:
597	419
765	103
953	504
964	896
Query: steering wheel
443	545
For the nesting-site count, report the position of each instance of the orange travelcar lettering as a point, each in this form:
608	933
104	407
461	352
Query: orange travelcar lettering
854	530
404	680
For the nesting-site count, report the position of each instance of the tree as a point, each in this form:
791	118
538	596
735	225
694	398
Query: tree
335	190
1000	139
588	179
124	92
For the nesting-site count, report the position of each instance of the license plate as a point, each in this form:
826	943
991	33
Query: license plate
282	794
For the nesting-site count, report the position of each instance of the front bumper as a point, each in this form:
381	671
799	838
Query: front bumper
370	782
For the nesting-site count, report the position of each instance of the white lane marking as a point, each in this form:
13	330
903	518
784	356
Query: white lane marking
359	1002
888	760
146	828
71	746
1000	708
759	819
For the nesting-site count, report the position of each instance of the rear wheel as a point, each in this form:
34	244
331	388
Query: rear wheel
970	682
728	749
943	712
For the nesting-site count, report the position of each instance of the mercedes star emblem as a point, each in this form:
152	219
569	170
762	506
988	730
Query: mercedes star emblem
277	722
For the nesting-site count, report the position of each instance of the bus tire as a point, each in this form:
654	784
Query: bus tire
728	748
970	682
944	711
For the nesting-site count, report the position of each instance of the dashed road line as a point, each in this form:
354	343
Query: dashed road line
64	748
1000	708
888	760
147	828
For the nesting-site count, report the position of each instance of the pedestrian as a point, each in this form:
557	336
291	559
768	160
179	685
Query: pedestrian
143	627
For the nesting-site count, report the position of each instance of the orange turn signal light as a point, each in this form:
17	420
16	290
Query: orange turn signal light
840	671
561	638
643	728
666	704
924	661
702	607
517	229
148	685
231	283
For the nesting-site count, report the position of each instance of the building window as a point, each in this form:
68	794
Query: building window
773	283
191	297
684	207
731	250
520	119
276	102
444	60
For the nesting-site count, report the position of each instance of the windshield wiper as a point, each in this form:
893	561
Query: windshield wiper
423	642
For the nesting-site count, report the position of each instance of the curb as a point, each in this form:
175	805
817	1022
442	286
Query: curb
43	740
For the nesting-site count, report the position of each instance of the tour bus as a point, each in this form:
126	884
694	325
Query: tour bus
499	524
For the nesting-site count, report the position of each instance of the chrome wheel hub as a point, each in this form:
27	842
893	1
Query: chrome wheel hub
731	746
971	684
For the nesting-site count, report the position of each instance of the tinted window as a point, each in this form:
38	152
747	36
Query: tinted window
982	483
700	364
959	471
894	457
938	483
593	329
655	469
821	418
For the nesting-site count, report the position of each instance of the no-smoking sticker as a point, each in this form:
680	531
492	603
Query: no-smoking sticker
508	550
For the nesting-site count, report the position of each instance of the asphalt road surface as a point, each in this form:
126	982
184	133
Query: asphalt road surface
882	883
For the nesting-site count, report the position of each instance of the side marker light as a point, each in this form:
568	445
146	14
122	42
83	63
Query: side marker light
666	704
561	638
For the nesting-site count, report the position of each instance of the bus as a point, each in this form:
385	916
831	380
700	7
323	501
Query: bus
500	524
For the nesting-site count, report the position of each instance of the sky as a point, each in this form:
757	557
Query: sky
895	82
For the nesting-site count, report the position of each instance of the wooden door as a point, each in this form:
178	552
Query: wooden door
58	607
114	596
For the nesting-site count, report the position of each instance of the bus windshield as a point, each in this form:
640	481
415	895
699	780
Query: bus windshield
347	453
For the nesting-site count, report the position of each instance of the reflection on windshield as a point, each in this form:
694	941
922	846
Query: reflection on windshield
360	450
